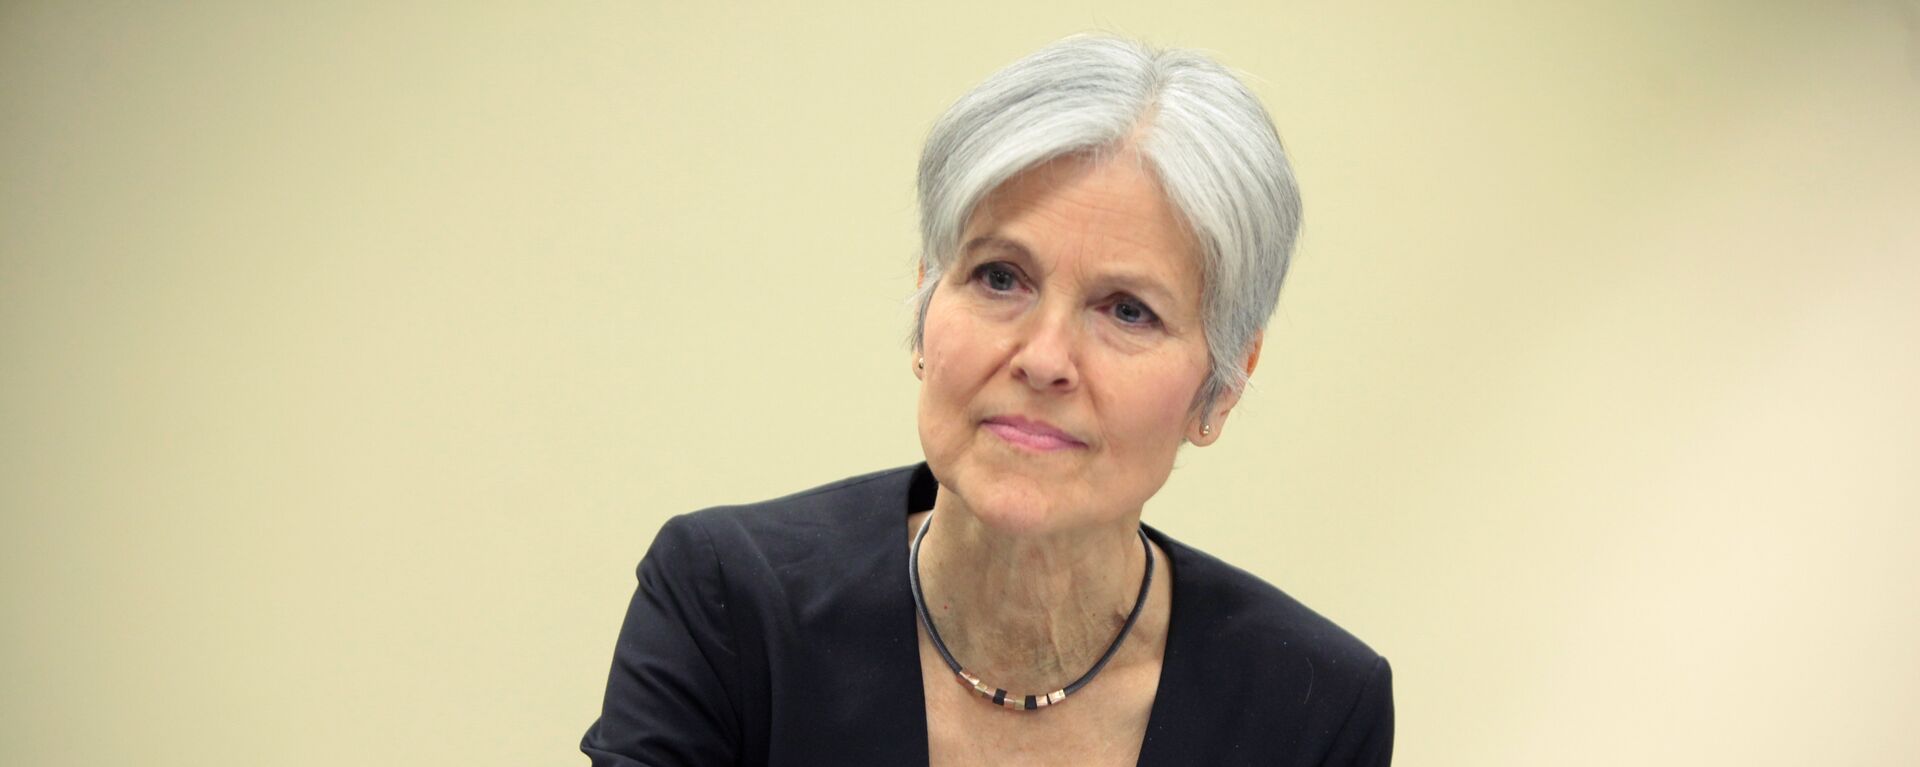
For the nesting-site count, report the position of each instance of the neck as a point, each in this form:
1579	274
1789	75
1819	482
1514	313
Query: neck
1029	612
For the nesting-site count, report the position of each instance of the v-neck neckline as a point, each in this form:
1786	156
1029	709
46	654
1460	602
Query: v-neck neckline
920	491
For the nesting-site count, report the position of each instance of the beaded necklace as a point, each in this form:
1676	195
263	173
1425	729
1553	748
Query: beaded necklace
1000	696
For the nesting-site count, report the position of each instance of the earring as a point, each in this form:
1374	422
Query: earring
922	364
1206	429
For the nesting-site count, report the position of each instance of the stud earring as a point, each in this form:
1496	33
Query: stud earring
1206	429
922	364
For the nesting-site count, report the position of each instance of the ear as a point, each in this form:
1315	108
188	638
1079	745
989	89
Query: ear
1215	416
915	359
1253	356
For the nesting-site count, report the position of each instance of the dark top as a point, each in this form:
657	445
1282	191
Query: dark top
783	633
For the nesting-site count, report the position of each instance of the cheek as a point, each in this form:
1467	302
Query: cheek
1155	411
960	350
1172	409
949	367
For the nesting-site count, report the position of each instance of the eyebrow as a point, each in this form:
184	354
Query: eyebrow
1131	281
997	242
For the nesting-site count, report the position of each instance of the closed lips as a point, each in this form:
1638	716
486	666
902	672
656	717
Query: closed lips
1038	435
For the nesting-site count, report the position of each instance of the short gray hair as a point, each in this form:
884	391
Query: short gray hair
1206	137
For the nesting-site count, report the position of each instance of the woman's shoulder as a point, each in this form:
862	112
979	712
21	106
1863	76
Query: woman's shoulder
1242	614
1251	670
807	542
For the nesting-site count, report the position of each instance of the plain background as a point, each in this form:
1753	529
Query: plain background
354	352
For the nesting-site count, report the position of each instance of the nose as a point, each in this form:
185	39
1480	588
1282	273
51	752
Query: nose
1045	360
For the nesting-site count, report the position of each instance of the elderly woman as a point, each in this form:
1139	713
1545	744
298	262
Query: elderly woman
1105	230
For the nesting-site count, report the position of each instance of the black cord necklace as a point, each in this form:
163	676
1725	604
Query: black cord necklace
1000	696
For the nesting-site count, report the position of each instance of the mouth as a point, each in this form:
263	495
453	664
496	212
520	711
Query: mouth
1034	435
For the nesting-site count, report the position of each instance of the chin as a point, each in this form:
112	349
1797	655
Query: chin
1016	502
1015	515
1010	489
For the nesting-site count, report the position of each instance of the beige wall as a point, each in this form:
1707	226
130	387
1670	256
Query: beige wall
351	355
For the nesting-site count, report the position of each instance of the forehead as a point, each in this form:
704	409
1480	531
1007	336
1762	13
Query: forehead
1108	213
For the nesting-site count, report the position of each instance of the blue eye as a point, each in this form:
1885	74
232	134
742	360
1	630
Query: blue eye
1132	312
998	277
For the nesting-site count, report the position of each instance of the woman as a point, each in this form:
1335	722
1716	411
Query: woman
1105	230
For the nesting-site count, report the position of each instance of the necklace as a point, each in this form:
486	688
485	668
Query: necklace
1001	697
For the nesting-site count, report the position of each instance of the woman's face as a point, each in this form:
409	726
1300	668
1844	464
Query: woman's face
1064	349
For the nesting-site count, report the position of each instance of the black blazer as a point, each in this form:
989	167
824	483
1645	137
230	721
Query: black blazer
783	633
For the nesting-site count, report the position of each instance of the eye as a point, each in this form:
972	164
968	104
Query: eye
1130	311
998	277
